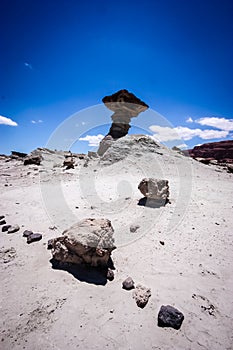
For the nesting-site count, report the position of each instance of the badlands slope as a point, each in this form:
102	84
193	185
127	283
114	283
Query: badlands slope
46	308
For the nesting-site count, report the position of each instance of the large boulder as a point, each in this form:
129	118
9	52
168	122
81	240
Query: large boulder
154	189
89	241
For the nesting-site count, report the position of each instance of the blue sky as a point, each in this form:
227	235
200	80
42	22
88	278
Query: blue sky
60	57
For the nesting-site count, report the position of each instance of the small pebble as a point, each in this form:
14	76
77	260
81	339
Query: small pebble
13	229
34	238
110	275
5	228
128	283
27	233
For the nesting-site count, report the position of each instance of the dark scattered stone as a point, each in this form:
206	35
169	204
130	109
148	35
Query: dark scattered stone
32	159
13	229
69	163
2	217
5	228
27	233
18	154
2	222
34	237
161	242
50	244
110	274
128	284
170	317
134	228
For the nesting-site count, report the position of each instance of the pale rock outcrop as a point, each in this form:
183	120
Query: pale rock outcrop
129	146
89	241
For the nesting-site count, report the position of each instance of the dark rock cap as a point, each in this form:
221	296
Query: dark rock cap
125	101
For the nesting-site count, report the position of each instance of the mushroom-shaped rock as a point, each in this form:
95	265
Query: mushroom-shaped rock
125	106
89	241
154	189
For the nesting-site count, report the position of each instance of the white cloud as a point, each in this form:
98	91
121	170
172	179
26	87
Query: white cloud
164	133
93	140
219	123
36	121
182	145
189	120
7	121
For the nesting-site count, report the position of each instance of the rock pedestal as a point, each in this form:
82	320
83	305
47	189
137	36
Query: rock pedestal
125	106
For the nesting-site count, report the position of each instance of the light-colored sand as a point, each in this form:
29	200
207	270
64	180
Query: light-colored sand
43	308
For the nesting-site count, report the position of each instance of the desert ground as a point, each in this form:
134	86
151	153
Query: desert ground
181	251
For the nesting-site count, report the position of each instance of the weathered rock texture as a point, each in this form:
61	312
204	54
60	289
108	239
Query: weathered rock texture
125	106
33	159
141	295
129	146
170	317
89	241
153	189
221	151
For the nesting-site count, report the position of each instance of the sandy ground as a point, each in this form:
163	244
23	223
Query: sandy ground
46	308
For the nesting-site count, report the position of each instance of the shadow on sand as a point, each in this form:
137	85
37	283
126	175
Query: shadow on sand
152	203
83	273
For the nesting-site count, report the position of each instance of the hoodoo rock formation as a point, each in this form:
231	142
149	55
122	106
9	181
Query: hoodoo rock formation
125	106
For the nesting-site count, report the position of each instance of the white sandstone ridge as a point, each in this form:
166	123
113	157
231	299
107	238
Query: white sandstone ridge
136	146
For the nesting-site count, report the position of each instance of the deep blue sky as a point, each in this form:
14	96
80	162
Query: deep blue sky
60	56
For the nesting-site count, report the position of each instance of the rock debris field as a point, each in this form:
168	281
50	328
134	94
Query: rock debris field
127	248
96	258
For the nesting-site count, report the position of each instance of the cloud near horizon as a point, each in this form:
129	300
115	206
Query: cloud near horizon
7	121
216	122
165	133
93	140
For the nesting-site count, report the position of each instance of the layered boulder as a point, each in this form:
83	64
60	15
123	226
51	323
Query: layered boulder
89	241
125	106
